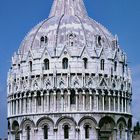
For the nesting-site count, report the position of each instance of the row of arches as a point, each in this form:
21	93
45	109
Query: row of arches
68	128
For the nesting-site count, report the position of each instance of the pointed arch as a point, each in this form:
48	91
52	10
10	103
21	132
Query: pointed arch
46	64
65	63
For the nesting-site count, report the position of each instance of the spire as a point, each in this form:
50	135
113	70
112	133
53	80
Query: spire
69	7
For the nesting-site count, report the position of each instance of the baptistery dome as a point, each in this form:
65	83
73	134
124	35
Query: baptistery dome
68	21
69	80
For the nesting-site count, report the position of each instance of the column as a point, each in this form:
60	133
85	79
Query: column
45	102
68	100
84	100
48	107
8	105
125	103
14	107
114	100
77	132
29	98
90	100
98	130
24	103
118	102
76	100
20	104
126	131
115	133
21	135
55	133
62	101
97	101
109	98
54	97
17	105
122	104
11	106
35	102
103	101
42	102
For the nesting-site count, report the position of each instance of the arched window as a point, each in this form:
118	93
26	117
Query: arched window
28	132
85	60
66	132
39	100
115	66
15	128
121	130
42	39
30	66
99	41
65	63
45	132
46	64
102	64
71	39
87	131
72	97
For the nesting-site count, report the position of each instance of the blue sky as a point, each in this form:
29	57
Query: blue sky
121	17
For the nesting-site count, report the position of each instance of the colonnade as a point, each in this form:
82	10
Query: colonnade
66	101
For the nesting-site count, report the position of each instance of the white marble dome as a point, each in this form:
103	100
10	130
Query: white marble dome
64	24
69	80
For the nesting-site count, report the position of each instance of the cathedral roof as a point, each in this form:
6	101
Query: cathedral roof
68	26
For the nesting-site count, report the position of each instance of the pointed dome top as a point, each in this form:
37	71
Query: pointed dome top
69	7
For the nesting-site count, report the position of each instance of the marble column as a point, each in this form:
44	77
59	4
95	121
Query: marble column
109	99
30	103
118	102
98	131
126	134
97	101
48	104
62	101
24	103
115	133
103	101
114	100
125	104
45	108
11	107
68	100
42	102
76	100
17	106
84	100
20	105
35	102
90	100
122	103
54	97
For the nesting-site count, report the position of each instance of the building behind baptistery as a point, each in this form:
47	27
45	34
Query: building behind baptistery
69	80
